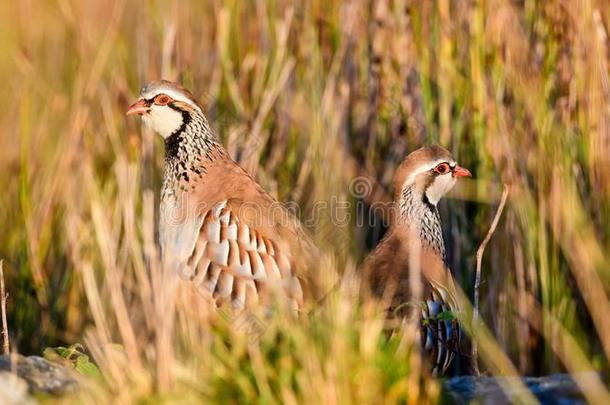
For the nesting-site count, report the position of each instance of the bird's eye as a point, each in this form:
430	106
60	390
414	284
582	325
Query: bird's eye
162	99
442	168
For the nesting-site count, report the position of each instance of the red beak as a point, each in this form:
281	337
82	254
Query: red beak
461	172
139	107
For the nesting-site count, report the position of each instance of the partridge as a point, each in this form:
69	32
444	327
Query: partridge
217	227
415	238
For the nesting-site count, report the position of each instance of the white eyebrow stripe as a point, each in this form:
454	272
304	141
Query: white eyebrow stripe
176	95
425	168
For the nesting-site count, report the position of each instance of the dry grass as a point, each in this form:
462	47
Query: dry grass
307	97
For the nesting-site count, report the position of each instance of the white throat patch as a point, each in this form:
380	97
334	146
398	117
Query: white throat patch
439	187
163	120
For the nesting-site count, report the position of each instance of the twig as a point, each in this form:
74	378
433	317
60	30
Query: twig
477	282
6	349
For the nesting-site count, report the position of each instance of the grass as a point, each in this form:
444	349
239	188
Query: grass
308	97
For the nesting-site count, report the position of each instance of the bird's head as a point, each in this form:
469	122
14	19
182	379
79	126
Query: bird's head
430	172
165	107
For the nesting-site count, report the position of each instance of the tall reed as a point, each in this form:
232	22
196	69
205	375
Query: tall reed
308	96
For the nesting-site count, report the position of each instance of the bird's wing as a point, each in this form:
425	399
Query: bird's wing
233	262
225	180
271	218
234	240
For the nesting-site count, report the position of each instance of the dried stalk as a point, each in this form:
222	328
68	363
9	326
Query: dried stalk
477	282
6	348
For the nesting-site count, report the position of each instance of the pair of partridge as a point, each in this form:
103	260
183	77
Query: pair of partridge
221	230
414	242
218	228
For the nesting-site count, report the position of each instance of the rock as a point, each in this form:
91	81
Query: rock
38	374
551	389
13	390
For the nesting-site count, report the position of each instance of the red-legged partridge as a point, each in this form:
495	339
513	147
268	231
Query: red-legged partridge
415	238
218	227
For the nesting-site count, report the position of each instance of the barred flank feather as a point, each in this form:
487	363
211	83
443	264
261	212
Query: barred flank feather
230	260
440	331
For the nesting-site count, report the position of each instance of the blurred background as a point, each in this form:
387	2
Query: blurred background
309	96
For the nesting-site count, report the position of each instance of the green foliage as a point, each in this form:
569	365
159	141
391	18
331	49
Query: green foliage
73	357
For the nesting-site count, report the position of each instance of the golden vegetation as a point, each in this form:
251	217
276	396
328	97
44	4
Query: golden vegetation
308	96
